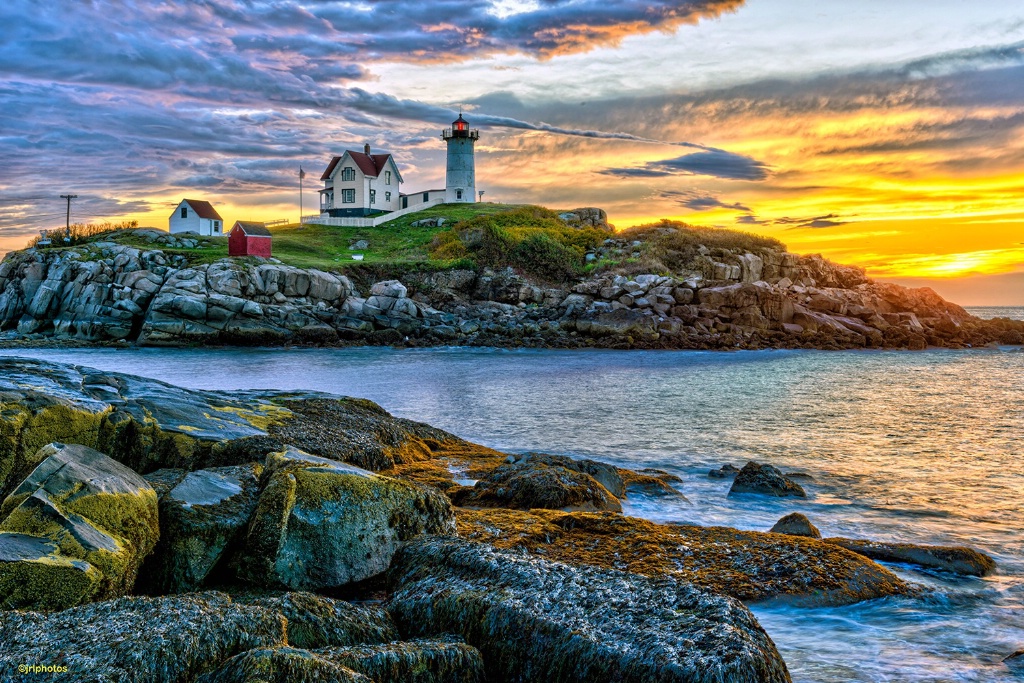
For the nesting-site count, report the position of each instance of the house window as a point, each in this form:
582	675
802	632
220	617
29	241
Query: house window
426	196
348	173
387	196
216	226
373	196
184	212
348	196
458	194
387	177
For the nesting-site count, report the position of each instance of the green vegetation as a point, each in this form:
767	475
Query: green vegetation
529	238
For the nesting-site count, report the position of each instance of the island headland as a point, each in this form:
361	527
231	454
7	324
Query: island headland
488	275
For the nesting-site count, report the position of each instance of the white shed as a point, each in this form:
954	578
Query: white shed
193	215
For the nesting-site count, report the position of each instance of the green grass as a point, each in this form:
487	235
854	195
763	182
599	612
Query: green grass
327	247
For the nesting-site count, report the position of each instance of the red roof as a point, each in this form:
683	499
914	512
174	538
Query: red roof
204	209
252	229
369	164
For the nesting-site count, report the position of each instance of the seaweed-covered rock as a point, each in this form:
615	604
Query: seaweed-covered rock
91	508
545	622
314	621
765	479
956	559
281	664
427	660
532	483
749	565
724	472
177	638
321	523
201	516
796	524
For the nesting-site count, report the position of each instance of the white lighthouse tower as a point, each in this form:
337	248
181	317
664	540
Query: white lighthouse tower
460	174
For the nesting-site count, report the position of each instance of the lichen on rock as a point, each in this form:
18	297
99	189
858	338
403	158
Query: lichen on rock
320	523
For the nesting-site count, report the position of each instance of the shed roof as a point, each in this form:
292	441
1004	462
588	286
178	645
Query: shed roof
203	208
252	229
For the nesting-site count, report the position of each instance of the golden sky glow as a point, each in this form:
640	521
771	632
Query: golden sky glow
889	135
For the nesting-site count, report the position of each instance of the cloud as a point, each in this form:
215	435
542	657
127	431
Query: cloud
700	201
712	162
815	222
750	220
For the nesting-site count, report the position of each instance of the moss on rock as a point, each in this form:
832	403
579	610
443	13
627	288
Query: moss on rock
321	523
91	508
281	665
417	661
34	574
533	483
748	565
956	559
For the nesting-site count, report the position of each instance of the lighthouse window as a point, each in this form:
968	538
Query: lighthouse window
458	194
387	177
348	196
348	173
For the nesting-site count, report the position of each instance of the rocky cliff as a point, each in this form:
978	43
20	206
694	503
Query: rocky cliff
719	298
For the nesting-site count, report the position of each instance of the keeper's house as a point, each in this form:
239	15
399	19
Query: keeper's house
193	215
360	184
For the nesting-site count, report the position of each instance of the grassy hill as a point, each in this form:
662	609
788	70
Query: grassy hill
529	238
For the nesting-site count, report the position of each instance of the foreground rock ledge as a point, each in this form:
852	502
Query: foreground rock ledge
748	565
537	621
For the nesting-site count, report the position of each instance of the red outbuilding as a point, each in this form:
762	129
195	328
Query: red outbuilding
249	239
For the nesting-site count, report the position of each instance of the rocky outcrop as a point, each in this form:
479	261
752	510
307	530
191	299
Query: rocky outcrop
956	559
766	480
748	565
726	471
323	524
78	506
796	524
175	638
148	425
722	298
541	621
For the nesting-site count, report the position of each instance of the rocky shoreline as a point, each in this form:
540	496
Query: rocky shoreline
109	293
295	536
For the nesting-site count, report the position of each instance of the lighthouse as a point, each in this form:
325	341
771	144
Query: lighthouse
460	173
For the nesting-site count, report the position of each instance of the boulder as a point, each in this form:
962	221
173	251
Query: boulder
796	524
200	518
34	574
765	479
533	483
724	472
956	559
323	524
748	565
174	638
427	660
546	622
90	508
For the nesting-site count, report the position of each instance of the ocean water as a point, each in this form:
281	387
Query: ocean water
921	447
989	312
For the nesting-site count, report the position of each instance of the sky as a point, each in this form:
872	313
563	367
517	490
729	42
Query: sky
884	134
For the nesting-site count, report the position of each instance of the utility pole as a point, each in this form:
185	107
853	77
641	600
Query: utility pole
302	174
68	220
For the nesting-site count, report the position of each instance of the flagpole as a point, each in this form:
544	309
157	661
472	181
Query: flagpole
301	175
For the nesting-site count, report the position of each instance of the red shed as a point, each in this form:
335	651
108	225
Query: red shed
249	239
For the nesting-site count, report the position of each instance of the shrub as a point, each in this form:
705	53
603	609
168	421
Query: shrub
79	233
539	253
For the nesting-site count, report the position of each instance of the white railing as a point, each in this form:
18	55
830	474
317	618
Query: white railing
369	221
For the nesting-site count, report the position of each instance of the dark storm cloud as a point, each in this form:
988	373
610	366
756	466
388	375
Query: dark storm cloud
712	162
816	222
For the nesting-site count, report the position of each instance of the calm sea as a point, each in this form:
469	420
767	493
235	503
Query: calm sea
922	447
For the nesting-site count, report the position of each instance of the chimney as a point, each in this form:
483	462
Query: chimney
366	148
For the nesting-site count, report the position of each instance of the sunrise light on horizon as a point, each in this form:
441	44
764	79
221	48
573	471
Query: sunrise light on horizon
885	135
